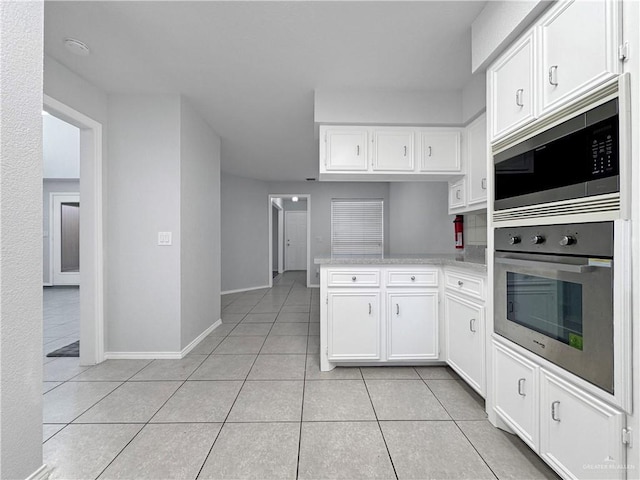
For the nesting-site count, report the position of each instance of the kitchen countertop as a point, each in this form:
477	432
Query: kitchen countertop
475	264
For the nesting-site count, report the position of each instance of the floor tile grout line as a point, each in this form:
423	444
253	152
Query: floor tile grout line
437	398
231	408
144	424
267	421
98	401
94	404
379	426
476	450
304	386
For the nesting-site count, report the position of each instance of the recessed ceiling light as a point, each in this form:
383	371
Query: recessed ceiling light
294	199
77	47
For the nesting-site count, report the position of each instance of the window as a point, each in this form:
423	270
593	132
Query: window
356	226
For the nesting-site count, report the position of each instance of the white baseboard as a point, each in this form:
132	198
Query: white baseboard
314	285
41	474
47	284
244	289
142	355
199	338
162	355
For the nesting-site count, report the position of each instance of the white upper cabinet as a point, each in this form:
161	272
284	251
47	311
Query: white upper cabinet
457	196
512	83
344	149
571	50
440	150
393	150
477	161
379	153
579	49
469	193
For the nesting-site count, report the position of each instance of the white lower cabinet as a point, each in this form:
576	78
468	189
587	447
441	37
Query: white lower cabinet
516	391
381	315
464	320
580	436
577	434
353	325
412	325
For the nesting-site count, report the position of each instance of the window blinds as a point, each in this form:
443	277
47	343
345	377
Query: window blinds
356	226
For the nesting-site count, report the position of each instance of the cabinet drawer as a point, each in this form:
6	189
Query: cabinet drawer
408	278
465	284
351	278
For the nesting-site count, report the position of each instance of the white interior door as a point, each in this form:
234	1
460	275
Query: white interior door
65	238
295	231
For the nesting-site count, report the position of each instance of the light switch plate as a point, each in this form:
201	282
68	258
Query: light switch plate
164	239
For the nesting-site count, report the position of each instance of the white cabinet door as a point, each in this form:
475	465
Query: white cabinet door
354	325
457	195
512	88
440	150
345	149
579	43
393	150
412	325
464	322
515	387
477	161
580	436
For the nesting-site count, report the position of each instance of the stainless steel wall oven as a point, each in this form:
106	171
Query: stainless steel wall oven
554	295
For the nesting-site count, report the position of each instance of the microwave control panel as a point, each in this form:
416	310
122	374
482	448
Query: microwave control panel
604	151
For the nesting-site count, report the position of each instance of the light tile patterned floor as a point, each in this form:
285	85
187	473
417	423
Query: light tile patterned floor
251	402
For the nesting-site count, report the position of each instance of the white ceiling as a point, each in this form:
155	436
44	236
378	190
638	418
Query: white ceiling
251	68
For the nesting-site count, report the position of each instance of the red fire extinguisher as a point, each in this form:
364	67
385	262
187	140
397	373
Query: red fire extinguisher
457	227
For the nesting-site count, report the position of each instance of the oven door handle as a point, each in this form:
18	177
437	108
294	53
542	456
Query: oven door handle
561	267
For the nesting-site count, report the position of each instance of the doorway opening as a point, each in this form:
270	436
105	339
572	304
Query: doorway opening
289	235
61	236
72	206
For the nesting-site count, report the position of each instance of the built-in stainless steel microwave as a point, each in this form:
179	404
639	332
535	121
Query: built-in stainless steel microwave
577	158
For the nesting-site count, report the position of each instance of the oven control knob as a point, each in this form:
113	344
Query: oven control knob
537	239
514	240
567	240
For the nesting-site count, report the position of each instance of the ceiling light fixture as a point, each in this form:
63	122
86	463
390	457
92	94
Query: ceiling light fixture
77	47
294	199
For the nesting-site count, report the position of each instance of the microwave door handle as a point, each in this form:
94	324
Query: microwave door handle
561	267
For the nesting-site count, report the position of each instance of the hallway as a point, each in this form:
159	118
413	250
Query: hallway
250	402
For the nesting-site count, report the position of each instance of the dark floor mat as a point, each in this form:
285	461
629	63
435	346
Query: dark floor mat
71	350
